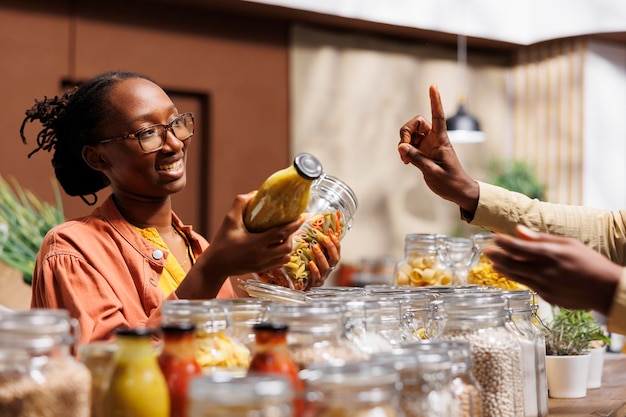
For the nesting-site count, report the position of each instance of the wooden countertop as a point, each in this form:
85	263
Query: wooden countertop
607	401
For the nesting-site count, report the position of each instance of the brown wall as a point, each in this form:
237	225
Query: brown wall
230	70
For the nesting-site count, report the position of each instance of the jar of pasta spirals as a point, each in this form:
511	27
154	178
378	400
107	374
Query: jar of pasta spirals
481	271
422	264
332	204
216	348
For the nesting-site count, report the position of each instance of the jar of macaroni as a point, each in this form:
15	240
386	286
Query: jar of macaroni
216	348
422	264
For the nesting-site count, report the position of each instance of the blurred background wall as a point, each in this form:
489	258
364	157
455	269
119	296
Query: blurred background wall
267	81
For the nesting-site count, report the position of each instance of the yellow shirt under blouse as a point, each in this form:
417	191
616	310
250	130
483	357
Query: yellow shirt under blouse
173	273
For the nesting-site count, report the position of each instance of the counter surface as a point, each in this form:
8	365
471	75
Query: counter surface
607	401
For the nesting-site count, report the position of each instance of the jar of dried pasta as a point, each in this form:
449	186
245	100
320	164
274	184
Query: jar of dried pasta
481	272
332	204
243	314
216	348
422	264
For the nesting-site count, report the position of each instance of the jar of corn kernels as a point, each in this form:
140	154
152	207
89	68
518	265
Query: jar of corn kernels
481	271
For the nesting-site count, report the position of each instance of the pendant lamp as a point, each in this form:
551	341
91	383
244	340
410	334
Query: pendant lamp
463	127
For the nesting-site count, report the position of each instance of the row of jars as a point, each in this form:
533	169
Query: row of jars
331	327
437	259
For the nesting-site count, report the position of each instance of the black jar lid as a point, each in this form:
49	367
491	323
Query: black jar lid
136	331
308	166
271	326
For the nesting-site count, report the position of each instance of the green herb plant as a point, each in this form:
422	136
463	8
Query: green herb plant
515	176
571	332
24	221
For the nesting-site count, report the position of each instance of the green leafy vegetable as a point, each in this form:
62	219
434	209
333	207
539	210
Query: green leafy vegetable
24	221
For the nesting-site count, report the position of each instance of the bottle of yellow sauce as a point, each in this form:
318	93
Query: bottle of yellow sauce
137	388
284	195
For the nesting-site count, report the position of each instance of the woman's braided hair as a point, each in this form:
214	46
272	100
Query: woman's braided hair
71	122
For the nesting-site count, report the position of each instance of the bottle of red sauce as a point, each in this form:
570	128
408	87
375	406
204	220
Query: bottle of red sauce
272	355
178	364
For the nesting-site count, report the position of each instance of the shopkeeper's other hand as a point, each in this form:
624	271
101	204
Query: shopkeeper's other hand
562	270
428	147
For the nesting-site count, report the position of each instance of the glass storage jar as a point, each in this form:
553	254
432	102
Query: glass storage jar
480	319
216	348
464	386
533	347
317	333
393	326
99	357
422	263
364	322
38	374
246	396
363	389
426	381
458	254
481	271
243	314
330	209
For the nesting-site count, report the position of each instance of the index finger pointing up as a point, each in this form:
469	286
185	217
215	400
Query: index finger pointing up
436	108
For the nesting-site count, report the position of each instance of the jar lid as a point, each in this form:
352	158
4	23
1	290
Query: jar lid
135	332
308	166
256	288
271	326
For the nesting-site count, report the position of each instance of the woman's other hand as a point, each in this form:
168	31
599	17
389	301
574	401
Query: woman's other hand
326	256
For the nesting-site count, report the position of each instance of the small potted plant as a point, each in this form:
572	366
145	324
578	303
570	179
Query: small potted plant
569	337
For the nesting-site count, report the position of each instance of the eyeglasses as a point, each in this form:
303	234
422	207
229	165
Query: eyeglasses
152	138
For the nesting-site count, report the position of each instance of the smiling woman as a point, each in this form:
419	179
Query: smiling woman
116	266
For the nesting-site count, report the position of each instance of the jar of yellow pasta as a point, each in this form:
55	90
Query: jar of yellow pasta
216	348
330	209
482	273
422	265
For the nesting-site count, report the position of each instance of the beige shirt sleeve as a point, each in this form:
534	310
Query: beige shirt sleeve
499	210
616	320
